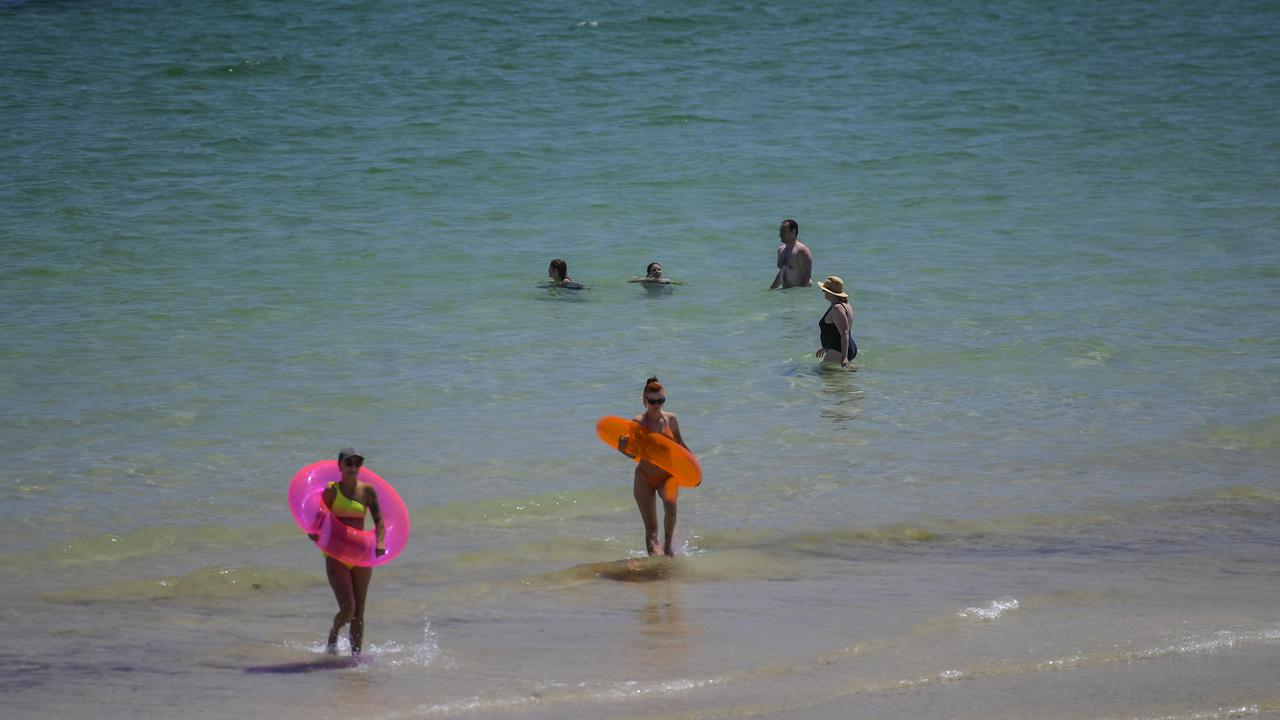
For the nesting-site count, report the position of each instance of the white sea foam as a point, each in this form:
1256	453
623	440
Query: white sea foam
993	610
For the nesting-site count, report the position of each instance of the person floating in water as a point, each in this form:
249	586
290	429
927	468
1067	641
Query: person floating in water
348	500
558	273
836	325
795	260
650	478
653	276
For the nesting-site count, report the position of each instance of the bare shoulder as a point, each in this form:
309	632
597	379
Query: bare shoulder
674	424
803	249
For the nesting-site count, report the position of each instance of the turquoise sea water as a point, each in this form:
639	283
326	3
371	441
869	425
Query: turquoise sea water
241	235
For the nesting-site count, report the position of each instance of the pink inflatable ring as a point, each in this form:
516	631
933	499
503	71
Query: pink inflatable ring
351	546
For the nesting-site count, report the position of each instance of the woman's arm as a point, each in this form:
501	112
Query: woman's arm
625	440
675	430
844	323
375	511
371	499
326	498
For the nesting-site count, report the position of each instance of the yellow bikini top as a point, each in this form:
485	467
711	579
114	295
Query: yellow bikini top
345	507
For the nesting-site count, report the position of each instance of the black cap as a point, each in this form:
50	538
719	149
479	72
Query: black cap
345	453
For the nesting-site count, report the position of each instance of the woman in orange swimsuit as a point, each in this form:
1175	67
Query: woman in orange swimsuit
650	478
348	499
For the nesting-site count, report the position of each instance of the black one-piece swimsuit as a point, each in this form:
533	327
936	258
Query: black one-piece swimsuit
831	335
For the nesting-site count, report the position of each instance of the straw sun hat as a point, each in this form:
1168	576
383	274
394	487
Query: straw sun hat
834	286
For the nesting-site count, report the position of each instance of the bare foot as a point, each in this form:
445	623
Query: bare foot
652	545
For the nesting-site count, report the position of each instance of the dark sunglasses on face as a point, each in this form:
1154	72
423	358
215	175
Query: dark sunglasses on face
353	463
655	401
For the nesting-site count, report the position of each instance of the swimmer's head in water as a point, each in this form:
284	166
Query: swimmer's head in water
558	270
654	270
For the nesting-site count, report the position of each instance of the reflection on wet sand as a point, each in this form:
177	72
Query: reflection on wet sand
354	691
664	636
844	396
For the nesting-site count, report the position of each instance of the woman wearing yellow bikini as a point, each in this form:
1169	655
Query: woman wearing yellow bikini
348	499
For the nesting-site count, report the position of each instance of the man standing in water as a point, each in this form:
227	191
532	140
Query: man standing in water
795	260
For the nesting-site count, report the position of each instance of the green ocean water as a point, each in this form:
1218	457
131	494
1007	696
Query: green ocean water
241	235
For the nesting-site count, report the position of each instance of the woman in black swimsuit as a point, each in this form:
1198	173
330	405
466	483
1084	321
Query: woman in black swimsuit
836	324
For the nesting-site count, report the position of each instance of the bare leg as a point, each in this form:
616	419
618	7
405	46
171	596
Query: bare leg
360	577
669	525
648	504
343	591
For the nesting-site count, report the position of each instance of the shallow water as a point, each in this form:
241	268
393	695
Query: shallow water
241	236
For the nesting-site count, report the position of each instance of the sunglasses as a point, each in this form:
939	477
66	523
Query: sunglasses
353	463
655	401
